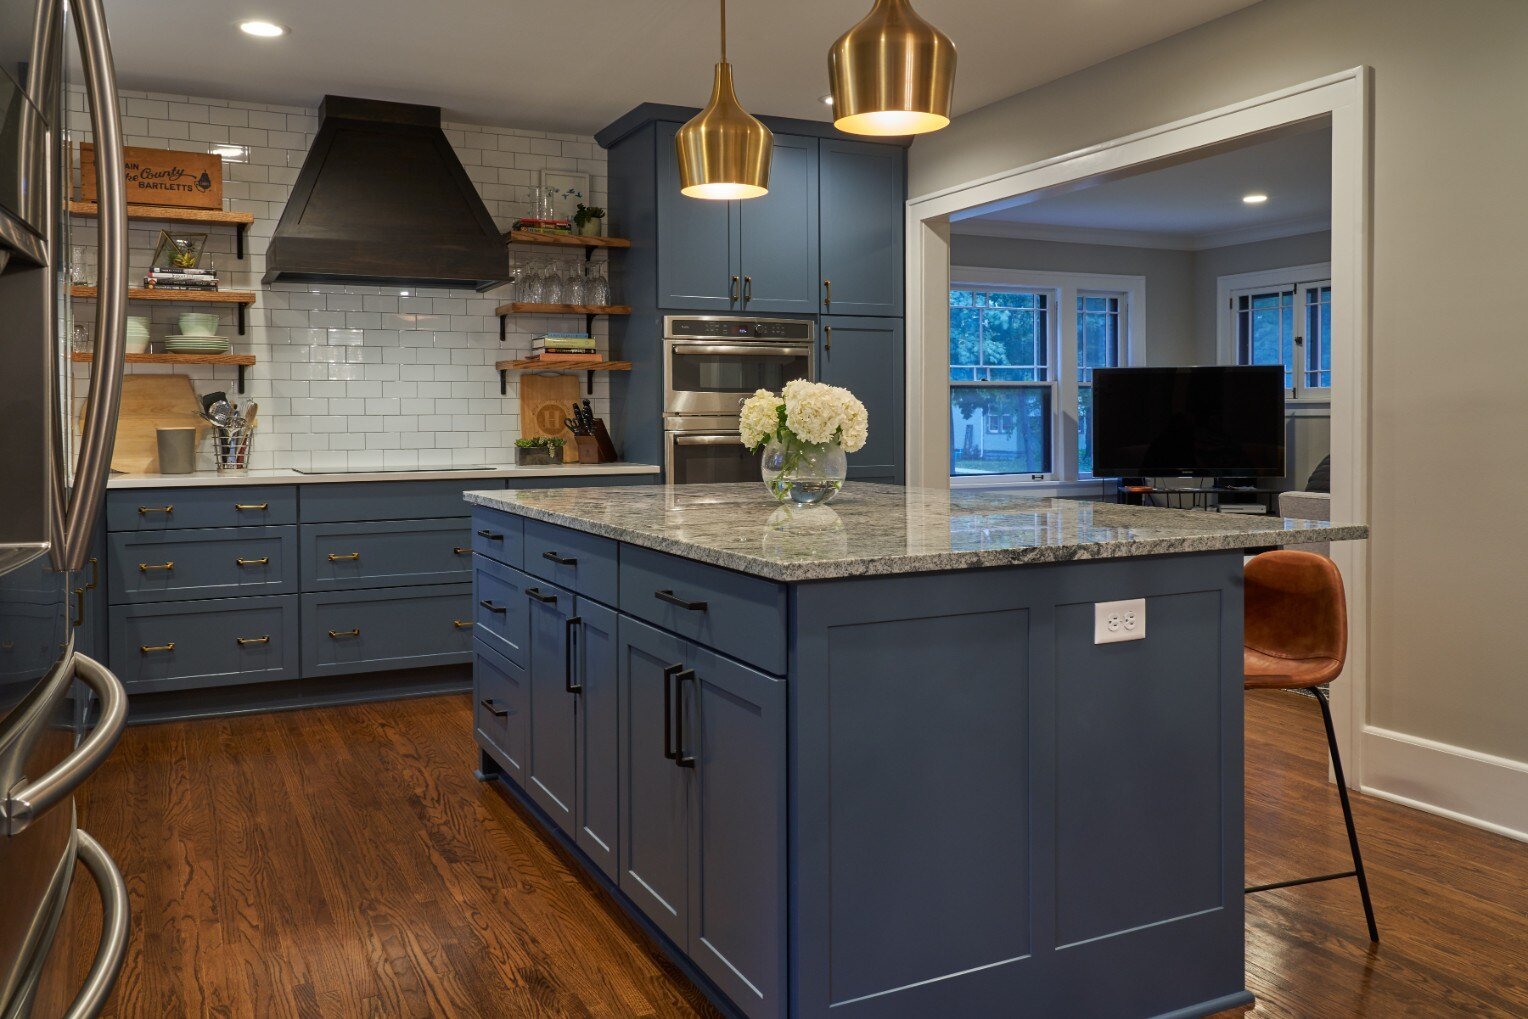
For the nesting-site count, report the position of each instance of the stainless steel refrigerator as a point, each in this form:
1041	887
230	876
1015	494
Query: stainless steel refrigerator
60	712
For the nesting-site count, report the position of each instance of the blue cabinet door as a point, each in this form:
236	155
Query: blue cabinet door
862	199
697	242
655	791
501	710
779	233
551	775
866	356
595	652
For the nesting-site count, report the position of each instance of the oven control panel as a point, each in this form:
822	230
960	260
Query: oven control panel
731	327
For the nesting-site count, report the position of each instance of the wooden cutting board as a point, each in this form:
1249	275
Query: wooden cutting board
545	401
150	402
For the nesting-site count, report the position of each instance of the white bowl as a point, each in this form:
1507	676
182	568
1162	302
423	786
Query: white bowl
137	344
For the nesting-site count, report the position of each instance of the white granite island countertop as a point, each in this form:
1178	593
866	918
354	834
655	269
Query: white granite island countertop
287	476
872	529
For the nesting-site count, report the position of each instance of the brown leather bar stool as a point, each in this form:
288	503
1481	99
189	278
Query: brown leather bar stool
1296	638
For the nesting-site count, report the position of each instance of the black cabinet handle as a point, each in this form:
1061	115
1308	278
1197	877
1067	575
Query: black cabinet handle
681	758
674	599
490	536
668	710
559	560
489	705
535	592
569	659
491	607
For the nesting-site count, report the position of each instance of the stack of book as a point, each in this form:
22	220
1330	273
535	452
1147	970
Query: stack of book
563	348
546	226
182	279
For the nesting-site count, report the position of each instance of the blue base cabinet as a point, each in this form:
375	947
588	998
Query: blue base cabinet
946	799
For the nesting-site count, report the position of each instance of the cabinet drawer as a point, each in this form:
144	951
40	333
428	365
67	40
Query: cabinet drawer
395	628
348	557
218	562
501	609
185	645
740	615
163	509
501	707
581	562
499	535
389	500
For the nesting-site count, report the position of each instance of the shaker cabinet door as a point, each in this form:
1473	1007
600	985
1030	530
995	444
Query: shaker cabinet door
779	233
865	356
862	198
551	772
596	652
697	242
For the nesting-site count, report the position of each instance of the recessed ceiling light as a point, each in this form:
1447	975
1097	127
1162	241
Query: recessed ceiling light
230	153
1256	198
826	98
262	29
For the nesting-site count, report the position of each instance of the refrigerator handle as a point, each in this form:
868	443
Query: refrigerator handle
115	913
104	399
25	803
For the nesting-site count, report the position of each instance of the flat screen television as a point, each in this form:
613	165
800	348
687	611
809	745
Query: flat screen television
1211	422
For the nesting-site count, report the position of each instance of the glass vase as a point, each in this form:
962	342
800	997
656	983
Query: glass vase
803	472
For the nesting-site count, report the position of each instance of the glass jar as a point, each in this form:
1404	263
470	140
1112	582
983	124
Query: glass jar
803	472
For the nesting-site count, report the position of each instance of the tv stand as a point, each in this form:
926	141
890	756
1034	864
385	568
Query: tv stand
1142	492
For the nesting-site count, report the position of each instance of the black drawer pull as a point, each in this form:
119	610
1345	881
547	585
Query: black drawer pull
246	641
490	536
144	511
570	657
251	507
491	607
458	550
535	592
559	560
674	599
681	758
490	706
338	634
668	710
262	561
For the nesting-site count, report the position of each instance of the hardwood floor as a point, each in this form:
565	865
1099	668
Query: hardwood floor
343	862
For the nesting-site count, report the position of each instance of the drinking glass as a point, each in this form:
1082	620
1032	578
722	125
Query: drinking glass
599	286
552	281
574	288
533	288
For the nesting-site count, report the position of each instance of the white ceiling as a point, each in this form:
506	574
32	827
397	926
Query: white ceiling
1191	205
576	65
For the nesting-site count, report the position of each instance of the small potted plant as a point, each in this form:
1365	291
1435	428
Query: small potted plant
540	451
589	219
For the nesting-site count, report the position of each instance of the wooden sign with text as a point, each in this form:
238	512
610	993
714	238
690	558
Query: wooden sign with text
187	180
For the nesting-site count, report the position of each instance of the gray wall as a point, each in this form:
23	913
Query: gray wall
1213	263
1447	217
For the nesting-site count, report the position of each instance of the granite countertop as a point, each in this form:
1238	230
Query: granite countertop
883	529
285	476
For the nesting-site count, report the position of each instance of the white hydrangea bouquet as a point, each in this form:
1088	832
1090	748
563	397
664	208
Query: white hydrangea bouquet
804	433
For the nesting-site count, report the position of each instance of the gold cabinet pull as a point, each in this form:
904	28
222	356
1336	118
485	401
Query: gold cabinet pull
251	507
246	641
732	290
262	561
462	624
144	511
458	550
145	567
79	608
149	649
827	293
348	557
337	634
95	573
827	339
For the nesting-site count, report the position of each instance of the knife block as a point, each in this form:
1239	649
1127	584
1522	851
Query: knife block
596	448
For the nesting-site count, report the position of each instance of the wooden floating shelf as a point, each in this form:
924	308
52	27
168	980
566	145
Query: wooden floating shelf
525	308
530	364
565	240
240	361
241	298
167	214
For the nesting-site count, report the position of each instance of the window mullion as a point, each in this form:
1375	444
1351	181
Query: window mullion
1064	359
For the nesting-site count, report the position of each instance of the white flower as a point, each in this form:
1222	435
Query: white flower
854	426
816	413
760	418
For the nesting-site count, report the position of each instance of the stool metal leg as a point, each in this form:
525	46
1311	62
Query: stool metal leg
1347	813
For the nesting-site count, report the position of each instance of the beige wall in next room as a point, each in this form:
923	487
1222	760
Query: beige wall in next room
1447	368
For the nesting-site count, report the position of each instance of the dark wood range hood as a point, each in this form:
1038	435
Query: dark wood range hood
382	199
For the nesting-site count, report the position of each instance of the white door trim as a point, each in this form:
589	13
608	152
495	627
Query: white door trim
1344	98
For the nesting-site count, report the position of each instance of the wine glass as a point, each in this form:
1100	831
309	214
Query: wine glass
533	287
574	287
599	287
552	283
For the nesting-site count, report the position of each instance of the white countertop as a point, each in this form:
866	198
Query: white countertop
286	476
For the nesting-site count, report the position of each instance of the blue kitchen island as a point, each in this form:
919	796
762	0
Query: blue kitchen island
868	759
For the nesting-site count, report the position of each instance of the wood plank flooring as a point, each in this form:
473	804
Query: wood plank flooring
343	862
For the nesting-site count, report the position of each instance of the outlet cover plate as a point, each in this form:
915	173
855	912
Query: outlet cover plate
1115	621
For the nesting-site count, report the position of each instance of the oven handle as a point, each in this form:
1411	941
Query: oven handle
734	439
740	348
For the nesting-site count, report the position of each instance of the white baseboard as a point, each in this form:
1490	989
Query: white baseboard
1479	789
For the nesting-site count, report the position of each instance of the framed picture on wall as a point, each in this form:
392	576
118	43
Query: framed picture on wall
569	187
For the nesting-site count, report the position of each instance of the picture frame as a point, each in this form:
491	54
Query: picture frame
569	187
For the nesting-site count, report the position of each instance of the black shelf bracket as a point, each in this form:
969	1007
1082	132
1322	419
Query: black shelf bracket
503	381
241	379
238	241
503	327
241	319
590	375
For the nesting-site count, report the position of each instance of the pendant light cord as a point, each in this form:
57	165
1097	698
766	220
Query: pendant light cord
724	31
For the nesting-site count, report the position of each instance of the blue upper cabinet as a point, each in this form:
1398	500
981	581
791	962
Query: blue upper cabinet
862	197
697	242
779	233
866	356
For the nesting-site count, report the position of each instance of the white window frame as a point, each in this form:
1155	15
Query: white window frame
1064	288
1299	278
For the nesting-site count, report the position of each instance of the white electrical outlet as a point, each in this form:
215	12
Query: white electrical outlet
1114	621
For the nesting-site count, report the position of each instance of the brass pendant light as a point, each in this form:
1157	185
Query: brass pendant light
724	152
892	74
